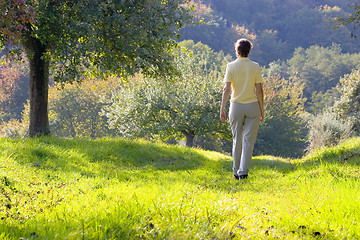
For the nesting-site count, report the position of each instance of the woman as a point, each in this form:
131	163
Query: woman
244	81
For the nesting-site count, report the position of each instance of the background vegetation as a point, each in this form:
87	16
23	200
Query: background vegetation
276	27
308	66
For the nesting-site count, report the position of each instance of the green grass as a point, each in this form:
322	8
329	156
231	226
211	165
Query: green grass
54	188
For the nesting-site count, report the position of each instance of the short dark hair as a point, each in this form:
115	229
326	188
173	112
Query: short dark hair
242	47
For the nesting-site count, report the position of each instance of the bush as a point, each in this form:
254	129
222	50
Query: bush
13	128
326	130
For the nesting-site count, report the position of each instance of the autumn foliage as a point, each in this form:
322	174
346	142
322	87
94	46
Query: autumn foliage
14	81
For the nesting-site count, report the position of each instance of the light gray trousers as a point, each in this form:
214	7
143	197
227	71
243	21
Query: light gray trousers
244	122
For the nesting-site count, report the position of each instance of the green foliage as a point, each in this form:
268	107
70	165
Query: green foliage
13	129
340	121
118	189
17	14
269	47
214	30
101	38
206	25
348	106
186	106
281	132
105	36
319	69
201	53
277	27
320	101
75	110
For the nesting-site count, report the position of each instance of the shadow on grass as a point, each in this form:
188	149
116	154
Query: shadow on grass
125	158
133	160
79	155
277	164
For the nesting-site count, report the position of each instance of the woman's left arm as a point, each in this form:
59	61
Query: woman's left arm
260	97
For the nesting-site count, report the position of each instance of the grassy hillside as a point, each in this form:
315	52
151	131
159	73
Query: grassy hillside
117	189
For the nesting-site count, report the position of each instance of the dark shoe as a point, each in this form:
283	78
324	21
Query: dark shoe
236	177
243	176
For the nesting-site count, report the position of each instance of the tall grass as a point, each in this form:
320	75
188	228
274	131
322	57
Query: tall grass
54	188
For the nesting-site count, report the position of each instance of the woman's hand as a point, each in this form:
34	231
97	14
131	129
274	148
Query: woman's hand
222	116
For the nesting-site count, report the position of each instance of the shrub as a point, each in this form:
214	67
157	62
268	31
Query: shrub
326	129
13	128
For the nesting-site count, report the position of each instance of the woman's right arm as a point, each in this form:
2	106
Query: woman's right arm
224	99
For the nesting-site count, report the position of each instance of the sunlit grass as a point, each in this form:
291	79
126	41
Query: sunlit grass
117	189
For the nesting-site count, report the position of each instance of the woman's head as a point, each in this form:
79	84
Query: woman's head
242	47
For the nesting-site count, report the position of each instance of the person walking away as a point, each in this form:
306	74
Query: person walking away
243	80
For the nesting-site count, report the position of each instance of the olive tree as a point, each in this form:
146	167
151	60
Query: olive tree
187	106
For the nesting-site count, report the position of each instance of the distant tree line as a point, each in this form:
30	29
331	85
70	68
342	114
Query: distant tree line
276	27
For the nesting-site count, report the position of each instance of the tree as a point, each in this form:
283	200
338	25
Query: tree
214	30
186	107
203	54
282	131
269	47
99	37
320	101
348	106
277	26
321	68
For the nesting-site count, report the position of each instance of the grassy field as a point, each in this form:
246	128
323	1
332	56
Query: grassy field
54	188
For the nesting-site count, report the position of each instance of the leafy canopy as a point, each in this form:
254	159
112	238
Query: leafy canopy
348	105
119	36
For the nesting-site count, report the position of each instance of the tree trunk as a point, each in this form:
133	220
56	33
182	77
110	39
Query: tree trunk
189	137
39	85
